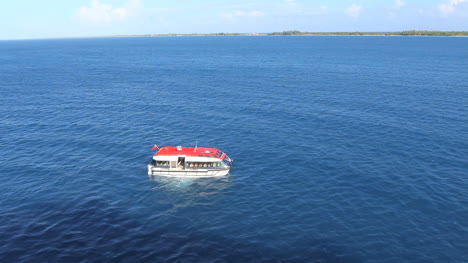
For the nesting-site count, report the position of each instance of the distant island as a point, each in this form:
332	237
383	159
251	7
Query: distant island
400	33
289	33
301	33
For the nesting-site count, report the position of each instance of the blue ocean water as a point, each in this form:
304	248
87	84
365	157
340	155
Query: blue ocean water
346	149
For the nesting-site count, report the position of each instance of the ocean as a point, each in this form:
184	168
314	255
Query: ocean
346	149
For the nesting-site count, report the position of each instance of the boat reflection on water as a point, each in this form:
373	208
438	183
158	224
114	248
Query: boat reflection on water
181	192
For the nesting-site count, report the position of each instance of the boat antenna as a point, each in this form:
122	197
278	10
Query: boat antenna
196	145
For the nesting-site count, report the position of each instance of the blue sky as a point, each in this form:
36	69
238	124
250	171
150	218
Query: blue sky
68	18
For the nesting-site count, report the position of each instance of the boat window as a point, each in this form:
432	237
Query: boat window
162	163
192	164
204	164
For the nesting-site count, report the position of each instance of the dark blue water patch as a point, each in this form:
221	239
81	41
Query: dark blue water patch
97	232
346	149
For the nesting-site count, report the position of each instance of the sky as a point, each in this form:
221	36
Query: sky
21	19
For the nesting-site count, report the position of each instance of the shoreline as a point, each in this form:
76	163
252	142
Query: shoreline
412	33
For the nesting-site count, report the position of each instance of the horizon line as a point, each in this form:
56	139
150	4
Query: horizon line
279	33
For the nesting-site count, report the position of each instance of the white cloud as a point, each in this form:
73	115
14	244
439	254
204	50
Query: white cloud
354	10
324	9
291	2
396	5
239	13
450	6
102	13
399	4
316	11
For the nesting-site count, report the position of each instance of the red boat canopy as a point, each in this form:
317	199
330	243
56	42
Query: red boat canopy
190	151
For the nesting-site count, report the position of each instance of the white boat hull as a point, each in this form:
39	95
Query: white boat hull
189	172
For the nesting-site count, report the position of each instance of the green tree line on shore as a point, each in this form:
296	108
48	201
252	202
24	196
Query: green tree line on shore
301	33
400	33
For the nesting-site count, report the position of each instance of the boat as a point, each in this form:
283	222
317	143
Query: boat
189	162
